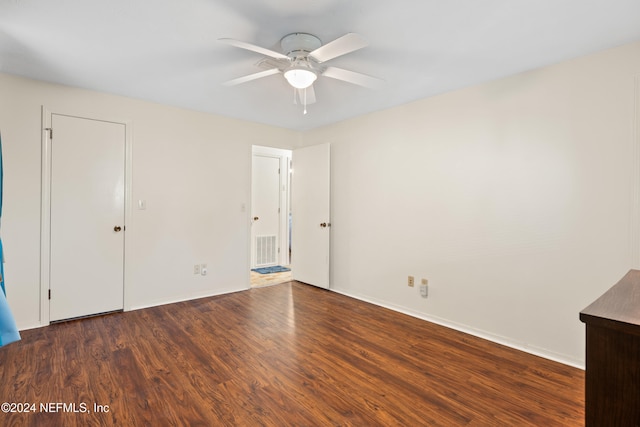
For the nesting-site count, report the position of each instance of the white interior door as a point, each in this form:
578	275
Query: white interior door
310	191
87	217
265	206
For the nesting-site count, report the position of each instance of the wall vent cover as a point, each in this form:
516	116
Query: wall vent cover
266	251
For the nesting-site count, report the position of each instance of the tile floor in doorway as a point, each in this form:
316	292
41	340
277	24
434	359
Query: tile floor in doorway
258	280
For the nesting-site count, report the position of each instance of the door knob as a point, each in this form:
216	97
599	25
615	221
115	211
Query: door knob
323	225
117	228
255	218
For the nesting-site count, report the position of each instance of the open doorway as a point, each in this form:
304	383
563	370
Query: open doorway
270	216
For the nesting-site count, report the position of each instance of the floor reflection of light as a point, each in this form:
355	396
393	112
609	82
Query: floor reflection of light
271	312
291	315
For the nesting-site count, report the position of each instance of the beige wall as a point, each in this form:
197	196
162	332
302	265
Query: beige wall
193	170
516	199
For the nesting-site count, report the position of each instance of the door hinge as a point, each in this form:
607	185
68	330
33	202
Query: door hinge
278	171
50	132
49	293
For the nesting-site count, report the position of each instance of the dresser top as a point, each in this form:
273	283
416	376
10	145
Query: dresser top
619	307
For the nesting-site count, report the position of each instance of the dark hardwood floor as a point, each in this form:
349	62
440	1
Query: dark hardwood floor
284	355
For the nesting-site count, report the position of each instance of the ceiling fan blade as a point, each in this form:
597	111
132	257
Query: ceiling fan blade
352	77
311	96
250	77
350	42
254	48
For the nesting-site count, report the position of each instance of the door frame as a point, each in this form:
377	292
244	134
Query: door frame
45	203
280	230
284	154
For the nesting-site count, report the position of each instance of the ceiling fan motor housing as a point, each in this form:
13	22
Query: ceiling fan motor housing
297	45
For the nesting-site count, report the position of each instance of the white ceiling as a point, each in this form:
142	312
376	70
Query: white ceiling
166	51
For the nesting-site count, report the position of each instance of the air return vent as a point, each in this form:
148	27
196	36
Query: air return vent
266	251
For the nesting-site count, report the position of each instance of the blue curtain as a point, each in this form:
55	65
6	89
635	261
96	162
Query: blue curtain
8	329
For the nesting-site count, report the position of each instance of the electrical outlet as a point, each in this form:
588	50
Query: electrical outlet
196	269
424	288
411	281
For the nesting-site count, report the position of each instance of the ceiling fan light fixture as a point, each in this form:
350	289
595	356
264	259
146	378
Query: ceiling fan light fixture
300	78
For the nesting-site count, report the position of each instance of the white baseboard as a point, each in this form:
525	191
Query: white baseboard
185	298
560	358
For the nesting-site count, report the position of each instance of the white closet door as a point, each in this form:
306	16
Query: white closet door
87	217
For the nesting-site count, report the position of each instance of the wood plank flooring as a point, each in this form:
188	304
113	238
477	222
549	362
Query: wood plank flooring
283	355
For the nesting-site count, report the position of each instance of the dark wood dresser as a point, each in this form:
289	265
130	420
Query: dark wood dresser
612	384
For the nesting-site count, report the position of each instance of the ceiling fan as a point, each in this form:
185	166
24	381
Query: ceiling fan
303	60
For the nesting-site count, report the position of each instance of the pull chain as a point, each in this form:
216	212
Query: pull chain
305	101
